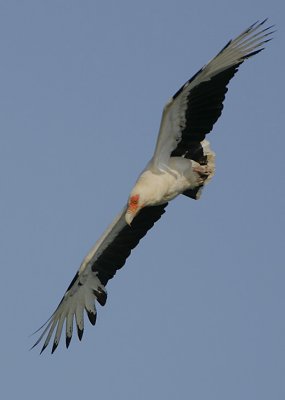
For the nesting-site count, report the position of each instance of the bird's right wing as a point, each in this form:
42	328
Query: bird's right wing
107	256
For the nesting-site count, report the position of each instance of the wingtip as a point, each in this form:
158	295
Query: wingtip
67	341
263	22
258	24
54	347
80	333
92	317
33	346
37	342
43	348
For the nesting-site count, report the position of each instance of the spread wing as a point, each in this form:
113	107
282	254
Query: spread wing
88	286
191	113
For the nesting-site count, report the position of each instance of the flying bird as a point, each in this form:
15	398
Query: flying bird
182	163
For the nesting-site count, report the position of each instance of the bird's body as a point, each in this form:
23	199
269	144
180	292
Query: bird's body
182	164
167	180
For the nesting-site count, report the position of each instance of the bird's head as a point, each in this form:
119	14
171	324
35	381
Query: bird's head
134	207
144	194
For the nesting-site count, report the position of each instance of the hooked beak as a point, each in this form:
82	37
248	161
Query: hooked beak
133	208
129	217
131	213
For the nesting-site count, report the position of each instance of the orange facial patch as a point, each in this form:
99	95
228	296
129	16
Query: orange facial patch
134	203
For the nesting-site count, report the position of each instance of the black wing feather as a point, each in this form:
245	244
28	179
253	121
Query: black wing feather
204	107
205	100
115	255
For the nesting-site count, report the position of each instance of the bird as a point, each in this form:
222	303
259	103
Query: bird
182	164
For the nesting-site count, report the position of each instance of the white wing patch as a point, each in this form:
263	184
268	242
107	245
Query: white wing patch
170	132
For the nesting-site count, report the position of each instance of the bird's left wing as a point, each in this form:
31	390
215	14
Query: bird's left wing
107	256
191	113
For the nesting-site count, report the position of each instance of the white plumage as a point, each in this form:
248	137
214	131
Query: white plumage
182	164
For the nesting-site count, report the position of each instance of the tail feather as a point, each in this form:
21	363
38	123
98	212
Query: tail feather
208	160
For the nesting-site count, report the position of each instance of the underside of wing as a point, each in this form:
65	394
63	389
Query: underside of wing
88	286
191	113
115	255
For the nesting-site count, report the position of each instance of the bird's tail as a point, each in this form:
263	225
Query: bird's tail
206	159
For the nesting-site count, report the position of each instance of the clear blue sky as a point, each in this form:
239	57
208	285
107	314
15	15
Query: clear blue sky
198	310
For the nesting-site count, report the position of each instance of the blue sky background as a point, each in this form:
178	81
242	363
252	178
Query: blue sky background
198	310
